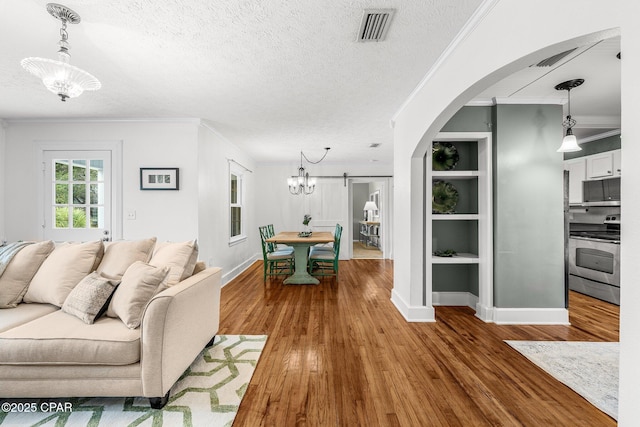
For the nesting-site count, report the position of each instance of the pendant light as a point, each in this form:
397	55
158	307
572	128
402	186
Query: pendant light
59	77
302	184
569	142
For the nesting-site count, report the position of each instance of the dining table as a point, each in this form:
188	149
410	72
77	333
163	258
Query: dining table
301	245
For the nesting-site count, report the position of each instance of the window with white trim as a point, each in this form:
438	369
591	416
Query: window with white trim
236	208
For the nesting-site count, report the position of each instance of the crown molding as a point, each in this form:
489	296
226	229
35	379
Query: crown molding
530	101
478	15
106	120
599	136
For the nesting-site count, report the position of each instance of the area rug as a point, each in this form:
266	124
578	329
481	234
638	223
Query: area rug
207	394
589	368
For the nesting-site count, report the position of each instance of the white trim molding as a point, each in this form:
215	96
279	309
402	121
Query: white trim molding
413	313
531	316
464	299
478	15
599	136
236	271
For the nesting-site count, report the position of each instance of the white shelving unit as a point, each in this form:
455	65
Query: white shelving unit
467	230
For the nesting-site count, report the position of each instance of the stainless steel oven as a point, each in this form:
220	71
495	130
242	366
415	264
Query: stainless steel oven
594	267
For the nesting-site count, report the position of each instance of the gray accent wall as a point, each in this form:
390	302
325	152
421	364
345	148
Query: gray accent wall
528	217
360	197
528	207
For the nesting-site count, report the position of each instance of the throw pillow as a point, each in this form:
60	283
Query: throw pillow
90	298
63	269
20	270
181	259
139	283
119	255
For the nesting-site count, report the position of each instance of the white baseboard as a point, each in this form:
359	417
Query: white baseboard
235	272
465	299
413	313
531	316
484	313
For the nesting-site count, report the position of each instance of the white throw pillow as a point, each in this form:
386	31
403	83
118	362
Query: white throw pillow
139	284
181	259
63	269
119	255
21	269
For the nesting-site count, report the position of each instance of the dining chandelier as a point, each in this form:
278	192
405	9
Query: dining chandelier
302	184
569	142
59	77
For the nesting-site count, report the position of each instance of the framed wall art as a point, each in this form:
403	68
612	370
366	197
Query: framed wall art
159	179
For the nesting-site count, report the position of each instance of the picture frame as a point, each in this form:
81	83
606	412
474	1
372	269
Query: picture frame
159	179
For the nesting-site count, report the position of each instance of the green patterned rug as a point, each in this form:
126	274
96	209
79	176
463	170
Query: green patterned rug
207	394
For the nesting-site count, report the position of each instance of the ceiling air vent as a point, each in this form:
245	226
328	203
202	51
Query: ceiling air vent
553	59
375	24
374	145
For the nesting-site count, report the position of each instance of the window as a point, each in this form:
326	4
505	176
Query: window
236	213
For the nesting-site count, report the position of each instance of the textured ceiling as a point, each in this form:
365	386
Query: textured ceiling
274	77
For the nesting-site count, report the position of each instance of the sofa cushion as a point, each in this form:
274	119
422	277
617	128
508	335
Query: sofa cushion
61	339
20	270
63	269
89	299
139	283
118	256
23	313
181	259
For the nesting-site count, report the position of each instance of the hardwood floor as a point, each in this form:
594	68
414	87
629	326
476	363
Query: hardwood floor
340	354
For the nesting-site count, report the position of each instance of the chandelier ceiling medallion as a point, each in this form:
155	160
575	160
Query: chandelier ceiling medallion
569	142
302	184
59	77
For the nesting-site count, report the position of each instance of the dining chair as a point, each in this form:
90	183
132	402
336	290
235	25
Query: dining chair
276	261
323	261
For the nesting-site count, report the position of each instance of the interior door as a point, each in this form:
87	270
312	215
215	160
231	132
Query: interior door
77	195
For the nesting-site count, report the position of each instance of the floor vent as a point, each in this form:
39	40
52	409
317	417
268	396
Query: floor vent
553	59
375	24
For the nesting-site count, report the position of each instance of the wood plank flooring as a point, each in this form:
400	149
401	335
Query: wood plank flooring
340	354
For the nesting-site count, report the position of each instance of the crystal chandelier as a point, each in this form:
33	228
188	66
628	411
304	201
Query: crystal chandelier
569	142
59	77
302	184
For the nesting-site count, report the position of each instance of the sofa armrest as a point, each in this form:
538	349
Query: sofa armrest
176	325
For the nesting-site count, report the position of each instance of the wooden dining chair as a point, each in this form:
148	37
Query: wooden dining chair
276	261
323	260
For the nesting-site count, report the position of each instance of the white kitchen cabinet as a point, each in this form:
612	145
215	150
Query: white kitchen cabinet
577	173
617	162
600	165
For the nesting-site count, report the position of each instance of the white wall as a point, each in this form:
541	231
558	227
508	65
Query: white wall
198	210
2	179
214	155
329	204
628	409
169	215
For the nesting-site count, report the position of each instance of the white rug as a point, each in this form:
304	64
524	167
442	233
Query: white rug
589	368
207	394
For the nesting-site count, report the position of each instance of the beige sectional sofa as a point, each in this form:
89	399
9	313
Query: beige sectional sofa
161	309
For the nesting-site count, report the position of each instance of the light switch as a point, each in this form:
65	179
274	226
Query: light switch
131	215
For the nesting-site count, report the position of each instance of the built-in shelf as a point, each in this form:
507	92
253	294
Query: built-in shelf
454	217
468	230
460	258
455	174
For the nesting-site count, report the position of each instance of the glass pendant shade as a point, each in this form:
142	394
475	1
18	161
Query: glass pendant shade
569	143
59	77
63	79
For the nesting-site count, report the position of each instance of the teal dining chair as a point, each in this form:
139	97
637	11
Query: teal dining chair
277	261
323	260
